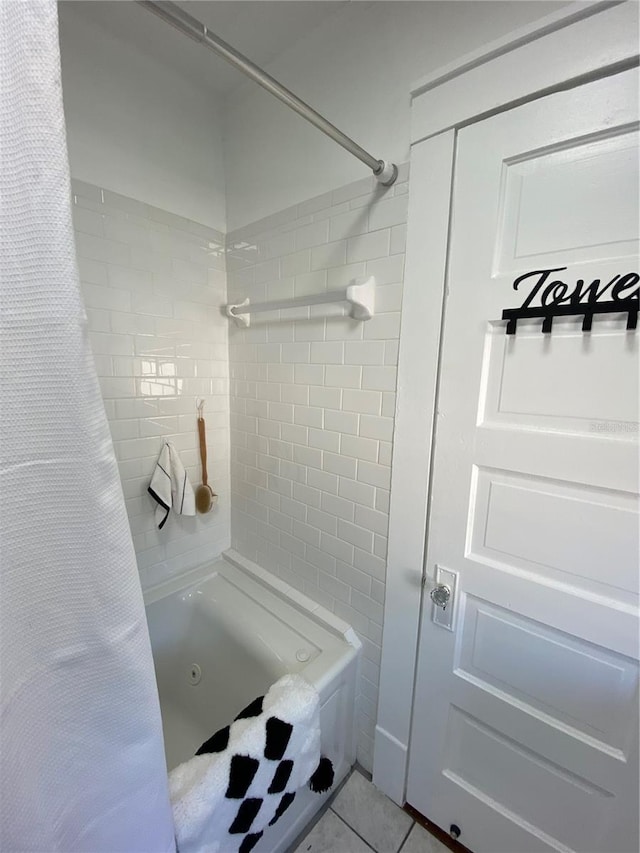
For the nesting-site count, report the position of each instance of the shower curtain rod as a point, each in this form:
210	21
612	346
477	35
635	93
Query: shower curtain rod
386	173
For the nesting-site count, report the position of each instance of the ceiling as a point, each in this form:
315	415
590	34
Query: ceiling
261	29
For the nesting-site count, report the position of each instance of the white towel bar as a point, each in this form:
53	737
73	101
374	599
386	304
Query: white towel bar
361	297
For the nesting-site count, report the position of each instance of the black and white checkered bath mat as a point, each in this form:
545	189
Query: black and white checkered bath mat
246	775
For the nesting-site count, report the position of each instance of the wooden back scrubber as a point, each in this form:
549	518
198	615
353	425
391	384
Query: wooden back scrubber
205	496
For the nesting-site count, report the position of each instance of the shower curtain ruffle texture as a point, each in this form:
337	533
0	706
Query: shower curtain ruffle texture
81	754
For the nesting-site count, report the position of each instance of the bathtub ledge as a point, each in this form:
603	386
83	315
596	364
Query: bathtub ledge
297	599
281	589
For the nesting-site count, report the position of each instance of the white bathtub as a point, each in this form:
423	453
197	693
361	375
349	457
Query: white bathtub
221	636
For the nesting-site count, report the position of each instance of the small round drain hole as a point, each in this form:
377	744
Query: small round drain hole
195	674
302	655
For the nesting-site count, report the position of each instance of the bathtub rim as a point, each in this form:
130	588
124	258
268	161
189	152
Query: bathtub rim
306	606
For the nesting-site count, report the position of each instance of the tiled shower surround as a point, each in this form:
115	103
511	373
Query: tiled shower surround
312	392
312	406
153	284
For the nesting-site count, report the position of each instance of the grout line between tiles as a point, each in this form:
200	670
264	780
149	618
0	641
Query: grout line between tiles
355	831
404	840
317	817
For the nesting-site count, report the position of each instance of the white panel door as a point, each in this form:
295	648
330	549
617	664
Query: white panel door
525	719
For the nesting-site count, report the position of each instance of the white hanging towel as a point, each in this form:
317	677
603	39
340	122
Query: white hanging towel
246	775
170	486
81	750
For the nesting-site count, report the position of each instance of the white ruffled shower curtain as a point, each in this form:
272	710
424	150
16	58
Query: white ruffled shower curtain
81	753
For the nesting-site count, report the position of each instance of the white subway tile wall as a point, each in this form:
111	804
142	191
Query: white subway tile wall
312	392
153	284
312	407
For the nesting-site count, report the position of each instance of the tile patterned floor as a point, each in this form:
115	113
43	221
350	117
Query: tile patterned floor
361	819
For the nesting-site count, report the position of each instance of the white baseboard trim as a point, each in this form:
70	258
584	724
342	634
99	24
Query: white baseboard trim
390	766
